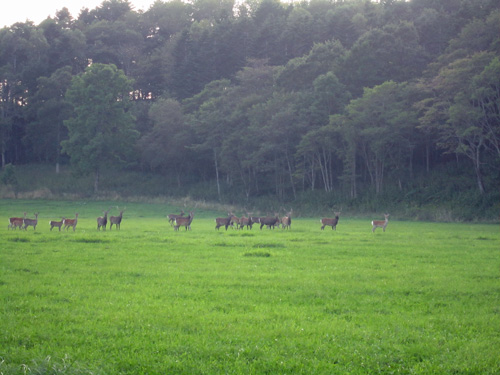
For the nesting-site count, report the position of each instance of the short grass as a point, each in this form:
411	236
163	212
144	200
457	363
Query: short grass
421	298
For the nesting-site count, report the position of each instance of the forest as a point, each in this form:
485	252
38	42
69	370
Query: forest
356	104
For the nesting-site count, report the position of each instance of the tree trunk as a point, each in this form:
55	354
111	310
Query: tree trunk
217	173
96	181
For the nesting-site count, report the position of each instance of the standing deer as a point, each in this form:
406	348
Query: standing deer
31	222
16	222
380	223
102	221
269	221
223	221
184	222
235	220
330	222
286	221
71	222
172	217
57	224
254	220
116	220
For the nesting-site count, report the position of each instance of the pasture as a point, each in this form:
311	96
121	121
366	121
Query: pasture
421	298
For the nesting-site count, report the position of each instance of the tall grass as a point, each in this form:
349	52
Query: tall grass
419	298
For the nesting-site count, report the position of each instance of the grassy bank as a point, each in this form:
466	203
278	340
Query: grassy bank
419	298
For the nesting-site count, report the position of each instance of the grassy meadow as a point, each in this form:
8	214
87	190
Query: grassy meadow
421	298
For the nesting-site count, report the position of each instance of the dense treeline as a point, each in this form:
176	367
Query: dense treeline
357	99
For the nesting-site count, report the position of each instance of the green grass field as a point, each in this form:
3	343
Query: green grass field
421	298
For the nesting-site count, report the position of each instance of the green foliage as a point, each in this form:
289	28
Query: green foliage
101	129
8	176
419	298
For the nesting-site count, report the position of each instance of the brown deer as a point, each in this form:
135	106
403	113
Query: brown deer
245	222
184	222
172	217
223	221
286	221
235	220
102	221
330	222
380	223
253	220
269	221
31	222
116	220
16	222
57	224
71	222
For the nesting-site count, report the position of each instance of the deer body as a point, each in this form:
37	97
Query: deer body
57	224
380	223
16	222
102	221
184	222
71	223
269	221
330	222
235	220
245	222
173	217
254	220
116	220
31	222
286	221
223	221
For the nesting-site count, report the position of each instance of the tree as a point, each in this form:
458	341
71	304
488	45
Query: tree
101	129
383	120
164	148
45	133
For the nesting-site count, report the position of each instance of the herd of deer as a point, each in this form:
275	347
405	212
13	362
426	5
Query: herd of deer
180	220
102	221
270	221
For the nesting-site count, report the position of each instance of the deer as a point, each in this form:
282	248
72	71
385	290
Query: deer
235	220
380	223
57	224
172	217
330	222
31	222
71	222
16	222
184	222
223	221
269	221
116	220
286	221
102	221
253	220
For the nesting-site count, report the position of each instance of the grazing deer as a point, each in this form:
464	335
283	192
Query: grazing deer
16	222
71	222
380	223
269	221
184	222
286	221
31	222
102	221
172	217
330	222
116	220
57	224
223	221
